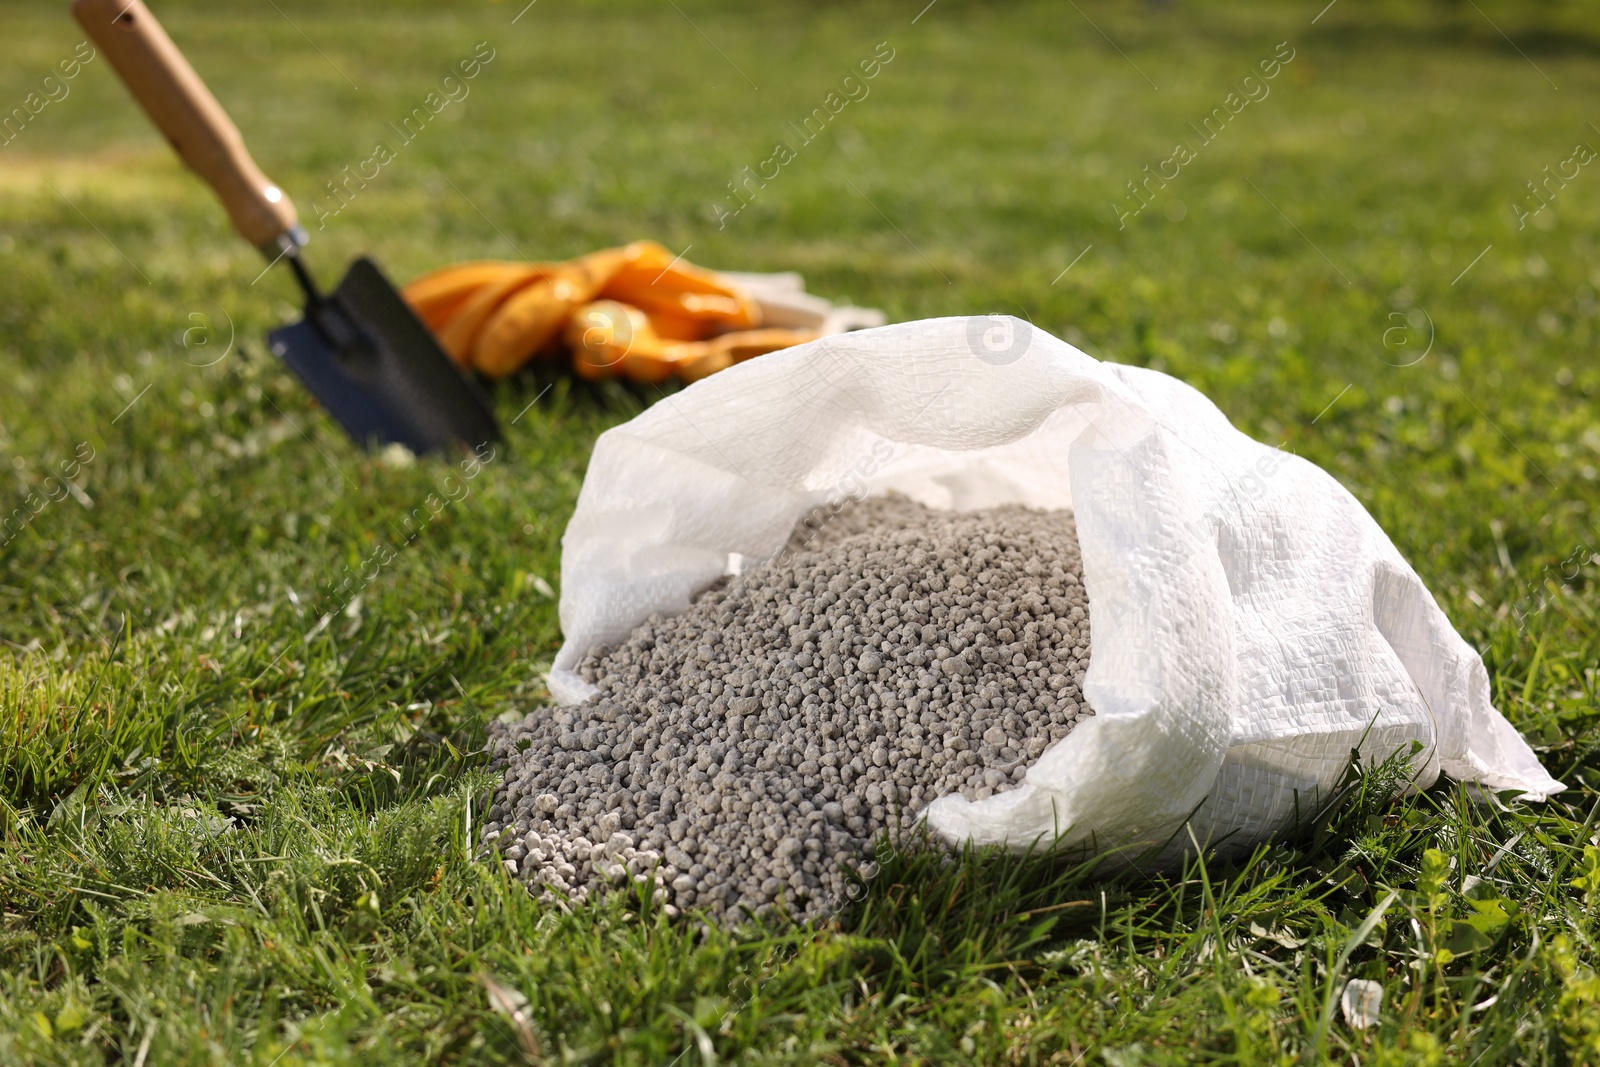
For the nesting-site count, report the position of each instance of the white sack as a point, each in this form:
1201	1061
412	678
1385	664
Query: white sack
1250	622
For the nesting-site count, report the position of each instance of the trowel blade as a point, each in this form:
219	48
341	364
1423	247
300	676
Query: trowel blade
373	364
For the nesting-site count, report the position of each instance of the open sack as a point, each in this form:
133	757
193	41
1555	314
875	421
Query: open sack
1250	623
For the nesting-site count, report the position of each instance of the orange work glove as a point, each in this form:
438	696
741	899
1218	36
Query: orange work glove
609	338
494	317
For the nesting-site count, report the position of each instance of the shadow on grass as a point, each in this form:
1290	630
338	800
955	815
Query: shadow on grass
548	385
932	918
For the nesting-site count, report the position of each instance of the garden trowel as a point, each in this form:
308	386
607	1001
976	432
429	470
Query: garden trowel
360	349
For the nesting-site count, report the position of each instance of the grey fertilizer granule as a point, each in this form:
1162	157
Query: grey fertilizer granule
752	747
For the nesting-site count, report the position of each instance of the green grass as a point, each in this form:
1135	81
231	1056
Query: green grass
234	801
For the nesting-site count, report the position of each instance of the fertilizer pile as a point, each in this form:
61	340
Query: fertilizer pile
753	747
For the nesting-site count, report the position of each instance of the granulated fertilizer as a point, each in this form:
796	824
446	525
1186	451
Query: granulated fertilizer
752	747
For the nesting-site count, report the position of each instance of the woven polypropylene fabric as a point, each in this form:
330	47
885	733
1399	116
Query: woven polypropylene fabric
1251	624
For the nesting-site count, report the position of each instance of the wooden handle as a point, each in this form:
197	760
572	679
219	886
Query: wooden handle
179	103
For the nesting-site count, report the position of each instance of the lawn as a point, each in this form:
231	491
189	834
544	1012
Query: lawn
236	799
